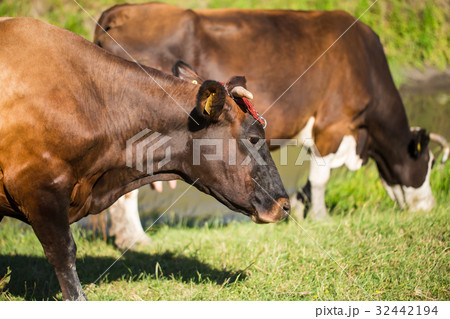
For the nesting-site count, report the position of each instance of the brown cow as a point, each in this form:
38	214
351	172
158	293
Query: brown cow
346	104
68	109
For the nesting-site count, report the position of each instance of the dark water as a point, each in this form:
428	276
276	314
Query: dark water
428	108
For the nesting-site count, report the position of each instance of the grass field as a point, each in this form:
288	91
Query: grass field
367	250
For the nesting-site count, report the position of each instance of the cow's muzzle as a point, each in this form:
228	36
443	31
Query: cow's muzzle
280	210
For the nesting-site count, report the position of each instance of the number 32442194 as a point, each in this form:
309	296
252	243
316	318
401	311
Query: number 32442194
407	310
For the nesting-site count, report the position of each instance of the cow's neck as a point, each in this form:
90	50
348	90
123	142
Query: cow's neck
390	136
146	105
138	98
132	104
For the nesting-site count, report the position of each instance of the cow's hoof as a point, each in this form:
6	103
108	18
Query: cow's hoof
132	243
79	295
144	240
81	298
319	214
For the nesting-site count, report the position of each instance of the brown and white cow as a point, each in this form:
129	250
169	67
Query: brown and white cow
346	103
67	111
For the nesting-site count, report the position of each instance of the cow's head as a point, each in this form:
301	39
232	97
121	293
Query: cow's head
239	170
408	181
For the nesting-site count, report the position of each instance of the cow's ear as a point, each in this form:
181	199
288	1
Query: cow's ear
418	143
184	71
211	99
237	81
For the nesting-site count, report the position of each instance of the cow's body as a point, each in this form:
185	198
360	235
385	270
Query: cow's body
67	109
346	103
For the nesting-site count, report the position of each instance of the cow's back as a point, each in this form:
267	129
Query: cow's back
276	49
43	84
327	60
145	32
52	112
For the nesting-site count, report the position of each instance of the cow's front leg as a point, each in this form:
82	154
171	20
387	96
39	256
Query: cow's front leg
318	177
60	250
48	215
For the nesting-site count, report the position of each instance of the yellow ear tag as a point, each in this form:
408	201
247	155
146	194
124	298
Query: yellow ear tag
194	81
209	103
418	147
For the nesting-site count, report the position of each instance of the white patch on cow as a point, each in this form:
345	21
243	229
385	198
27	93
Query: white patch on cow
305	136
319	172
318	177
415	199
125	223
395	192
346	154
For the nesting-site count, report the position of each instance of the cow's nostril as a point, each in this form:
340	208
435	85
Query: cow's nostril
287	206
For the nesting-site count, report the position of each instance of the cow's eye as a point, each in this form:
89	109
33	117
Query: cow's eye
253	140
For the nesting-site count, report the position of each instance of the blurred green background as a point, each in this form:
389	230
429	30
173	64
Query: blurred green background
414	33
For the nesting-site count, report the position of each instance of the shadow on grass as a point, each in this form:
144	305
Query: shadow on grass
33	278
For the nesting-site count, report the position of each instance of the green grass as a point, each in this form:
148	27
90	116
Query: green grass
368	249
414	33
